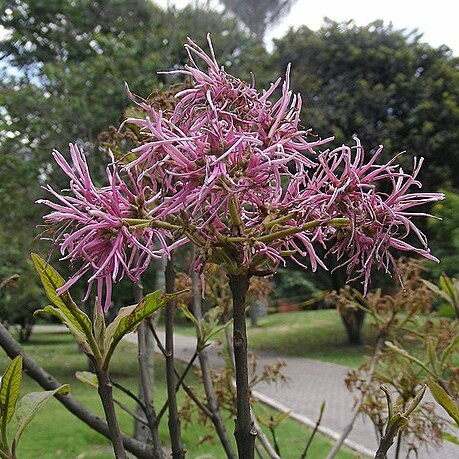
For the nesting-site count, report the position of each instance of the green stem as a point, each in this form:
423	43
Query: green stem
316	428
234	213
145	223
398	447
335	222
278	221
4	445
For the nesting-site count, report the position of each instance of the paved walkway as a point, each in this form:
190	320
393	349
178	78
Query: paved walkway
310	383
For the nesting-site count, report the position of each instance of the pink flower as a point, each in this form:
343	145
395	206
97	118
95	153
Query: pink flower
226	150
249	183
91	228
347	186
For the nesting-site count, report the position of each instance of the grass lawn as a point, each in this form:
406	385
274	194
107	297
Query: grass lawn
316	335
55	433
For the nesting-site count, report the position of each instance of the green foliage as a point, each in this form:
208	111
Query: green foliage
26	410
448	291
19	299
382	84
207	327
258	15
130	317
444	399
64	307
293	285
64	64
444	235
397	419
9	390
28	407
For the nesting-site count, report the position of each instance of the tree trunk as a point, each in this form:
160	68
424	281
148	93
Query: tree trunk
353	324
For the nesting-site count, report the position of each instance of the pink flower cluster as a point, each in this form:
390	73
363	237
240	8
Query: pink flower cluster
91	228
238	176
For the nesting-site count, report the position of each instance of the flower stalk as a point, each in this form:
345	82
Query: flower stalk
244	431
178	452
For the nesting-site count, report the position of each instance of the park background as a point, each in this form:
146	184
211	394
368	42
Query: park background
64	64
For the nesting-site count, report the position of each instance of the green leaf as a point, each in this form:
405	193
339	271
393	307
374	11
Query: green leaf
446	311
446	284
453	344
150	304
52	281
433	359
188	314
443	399
123	312
408	356
9	390
396	422
217	330
451	438
99	327
71	315
282	417
437	290
415	402
130	317
49	277
29	406
88	378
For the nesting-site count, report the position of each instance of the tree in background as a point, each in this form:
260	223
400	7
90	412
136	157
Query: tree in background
445	232
258	15
383	84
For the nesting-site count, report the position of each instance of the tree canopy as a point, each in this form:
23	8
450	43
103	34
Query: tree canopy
382	84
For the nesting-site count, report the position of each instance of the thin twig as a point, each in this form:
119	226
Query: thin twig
209	390
263	439
129	394
146	384
180	380
186	388
105	390
316	427
158	341
130	412
196	400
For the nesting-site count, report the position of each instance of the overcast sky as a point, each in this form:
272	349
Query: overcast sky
436	19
